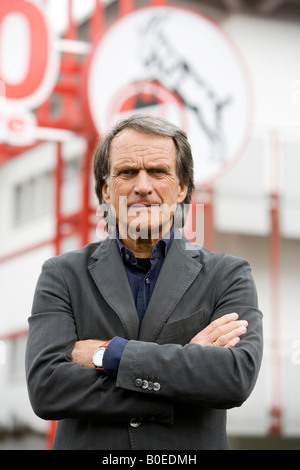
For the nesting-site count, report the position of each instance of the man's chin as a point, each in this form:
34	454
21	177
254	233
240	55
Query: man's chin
141	229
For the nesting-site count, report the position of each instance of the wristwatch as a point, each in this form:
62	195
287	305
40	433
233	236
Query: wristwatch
98	356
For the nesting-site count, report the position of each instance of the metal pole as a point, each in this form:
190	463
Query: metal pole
209	229
275	248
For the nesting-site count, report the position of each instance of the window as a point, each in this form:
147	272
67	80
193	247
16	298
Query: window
33	197
15	357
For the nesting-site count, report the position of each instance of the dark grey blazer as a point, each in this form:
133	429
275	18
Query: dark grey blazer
168	394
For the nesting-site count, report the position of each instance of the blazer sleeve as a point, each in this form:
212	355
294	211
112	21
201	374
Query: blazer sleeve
210	376
59	388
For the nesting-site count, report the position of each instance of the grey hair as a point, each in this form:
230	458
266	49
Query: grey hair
147	125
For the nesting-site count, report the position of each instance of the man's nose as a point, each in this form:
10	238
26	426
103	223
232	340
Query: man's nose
143	183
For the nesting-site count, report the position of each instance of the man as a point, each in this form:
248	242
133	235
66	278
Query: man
143	341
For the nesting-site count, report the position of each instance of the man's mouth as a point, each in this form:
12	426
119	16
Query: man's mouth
138	205
139	209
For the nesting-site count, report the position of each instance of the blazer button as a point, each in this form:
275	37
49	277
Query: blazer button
134	422
156	386
138	382
150	385
145	384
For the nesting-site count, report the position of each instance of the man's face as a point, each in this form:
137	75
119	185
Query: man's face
143	187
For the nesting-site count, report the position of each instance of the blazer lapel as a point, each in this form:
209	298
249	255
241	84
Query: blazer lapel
110	277
178	271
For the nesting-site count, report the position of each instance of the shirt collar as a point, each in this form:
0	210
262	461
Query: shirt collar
160	249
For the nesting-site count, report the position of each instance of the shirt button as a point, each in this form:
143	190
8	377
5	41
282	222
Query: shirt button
147	280
127	256
138	382
134	422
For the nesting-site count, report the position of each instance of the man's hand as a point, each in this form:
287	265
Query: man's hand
225	332
83	351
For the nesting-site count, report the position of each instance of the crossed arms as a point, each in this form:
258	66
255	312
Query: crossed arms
63	383
224	332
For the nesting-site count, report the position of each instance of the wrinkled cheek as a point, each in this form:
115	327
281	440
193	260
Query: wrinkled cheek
167	211
121	207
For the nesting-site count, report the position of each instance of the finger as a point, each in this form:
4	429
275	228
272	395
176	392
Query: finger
224	320
233	342
230	338
228	329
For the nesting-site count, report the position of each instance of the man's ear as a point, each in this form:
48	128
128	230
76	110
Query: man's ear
106	193
182	192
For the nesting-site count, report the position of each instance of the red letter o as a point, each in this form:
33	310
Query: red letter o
29	88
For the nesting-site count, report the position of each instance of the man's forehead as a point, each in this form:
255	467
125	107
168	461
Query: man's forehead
130	144
128	137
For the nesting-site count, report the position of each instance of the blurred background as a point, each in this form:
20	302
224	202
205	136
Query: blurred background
228	72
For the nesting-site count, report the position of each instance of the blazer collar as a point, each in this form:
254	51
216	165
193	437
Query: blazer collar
109	275
180	268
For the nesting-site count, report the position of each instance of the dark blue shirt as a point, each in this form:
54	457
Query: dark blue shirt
142	276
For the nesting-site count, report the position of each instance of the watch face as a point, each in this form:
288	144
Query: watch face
98	356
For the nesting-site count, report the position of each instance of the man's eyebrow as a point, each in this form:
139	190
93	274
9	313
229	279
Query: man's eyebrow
158	165
125	166
147	165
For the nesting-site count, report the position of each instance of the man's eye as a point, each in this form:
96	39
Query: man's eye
157	171
126	172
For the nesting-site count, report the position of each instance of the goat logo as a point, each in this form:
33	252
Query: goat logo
175	63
